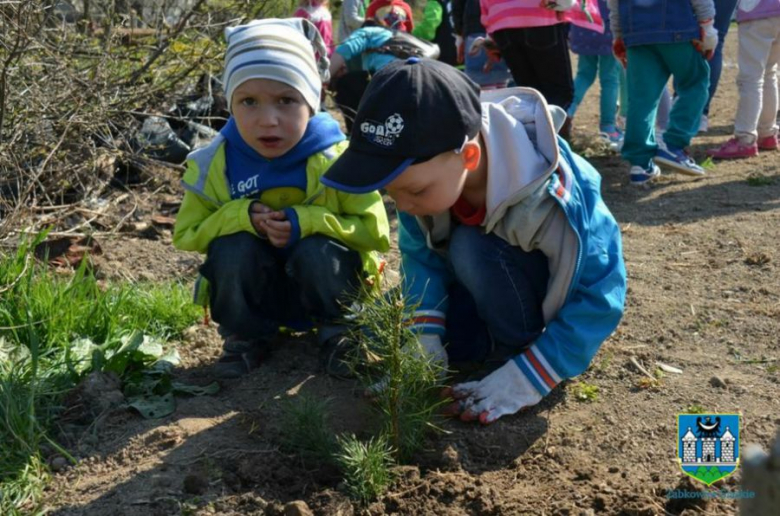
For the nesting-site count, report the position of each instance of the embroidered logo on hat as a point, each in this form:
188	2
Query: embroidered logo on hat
383	134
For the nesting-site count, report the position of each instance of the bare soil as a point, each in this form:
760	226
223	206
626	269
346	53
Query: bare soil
703	264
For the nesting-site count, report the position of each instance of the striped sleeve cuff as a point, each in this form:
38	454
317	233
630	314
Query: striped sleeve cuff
538	371
428	321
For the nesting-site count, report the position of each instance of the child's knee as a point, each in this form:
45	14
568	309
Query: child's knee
237	254
318	258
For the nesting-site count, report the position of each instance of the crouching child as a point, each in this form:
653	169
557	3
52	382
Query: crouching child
506	243
281	248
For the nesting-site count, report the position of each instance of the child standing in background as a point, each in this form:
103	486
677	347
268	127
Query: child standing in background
595	57
532	38
755	124
316	11
656	39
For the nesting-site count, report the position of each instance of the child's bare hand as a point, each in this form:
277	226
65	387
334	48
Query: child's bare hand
277	228
257	212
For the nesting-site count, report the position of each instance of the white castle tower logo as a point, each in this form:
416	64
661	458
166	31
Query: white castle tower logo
710	447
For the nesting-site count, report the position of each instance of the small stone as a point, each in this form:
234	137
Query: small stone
718	382
613	469
58	464
450	458
600	503
297	508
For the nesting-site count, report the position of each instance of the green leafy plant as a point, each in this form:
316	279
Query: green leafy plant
585	392
694	409
55	331
366	466
708	164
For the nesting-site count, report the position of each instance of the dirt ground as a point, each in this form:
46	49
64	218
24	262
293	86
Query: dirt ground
704	296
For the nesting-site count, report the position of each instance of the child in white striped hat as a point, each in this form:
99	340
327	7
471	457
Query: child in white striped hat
282	250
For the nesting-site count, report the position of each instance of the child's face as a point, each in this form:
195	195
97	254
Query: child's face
430	187
271	116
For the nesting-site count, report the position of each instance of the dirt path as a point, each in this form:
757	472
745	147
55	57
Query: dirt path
704	269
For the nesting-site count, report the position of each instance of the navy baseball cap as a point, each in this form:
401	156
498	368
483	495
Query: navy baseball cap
412	110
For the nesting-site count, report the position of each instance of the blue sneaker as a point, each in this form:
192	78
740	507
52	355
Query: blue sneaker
642	176
678	160
613	137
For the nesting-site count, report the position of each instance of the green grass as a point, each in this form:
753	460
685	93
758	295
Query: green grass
755	179
41	316
694	409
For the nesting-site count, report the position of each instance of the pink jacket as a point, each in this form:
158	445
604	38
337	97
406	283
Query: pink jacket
320	17
518	14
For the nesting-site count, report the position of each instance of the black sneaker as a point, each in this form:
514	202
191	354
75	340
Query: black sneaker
336	355
239	357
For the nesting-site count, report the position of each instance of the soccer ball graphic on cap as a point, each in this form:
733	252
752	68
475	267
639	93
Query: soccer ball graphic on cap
394	124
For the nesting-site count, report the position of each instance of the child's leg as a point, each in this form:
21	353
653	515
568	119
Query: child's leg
692	80
756	39
609	78
538	57
508	284
646	77
767	120
325	277
243	275
587	66
723	11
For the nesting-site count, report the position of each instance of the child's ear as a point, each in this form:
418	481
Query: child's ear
471	154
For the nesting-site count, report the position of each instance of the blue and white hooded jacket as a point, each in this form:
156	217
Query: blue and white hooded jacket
540	195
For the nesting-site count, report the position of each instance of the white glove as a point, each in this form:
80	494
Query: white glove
709	39
430	348
558	5
504	391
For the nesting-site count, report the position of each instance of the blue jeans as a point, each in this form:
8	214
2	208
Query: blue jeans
497	296
723	11
608	69
255	288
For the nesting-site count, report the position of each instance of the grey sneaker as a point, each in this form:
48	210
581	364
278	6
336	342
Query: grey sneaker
239	357
336	355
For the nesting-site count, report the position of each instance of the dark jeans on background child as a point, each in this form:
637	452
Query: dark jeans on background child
495	308
349	90
255	287
724	9
538	57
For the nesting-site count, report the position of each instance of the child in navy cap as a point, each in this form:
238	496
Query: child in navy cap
505	240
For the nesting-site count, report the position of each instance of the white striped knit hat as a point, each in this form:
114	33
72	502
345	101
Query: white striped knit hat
278	49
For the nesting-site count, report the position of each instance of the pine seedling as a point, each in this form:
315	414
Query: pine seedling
305	428
404	382
366	466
